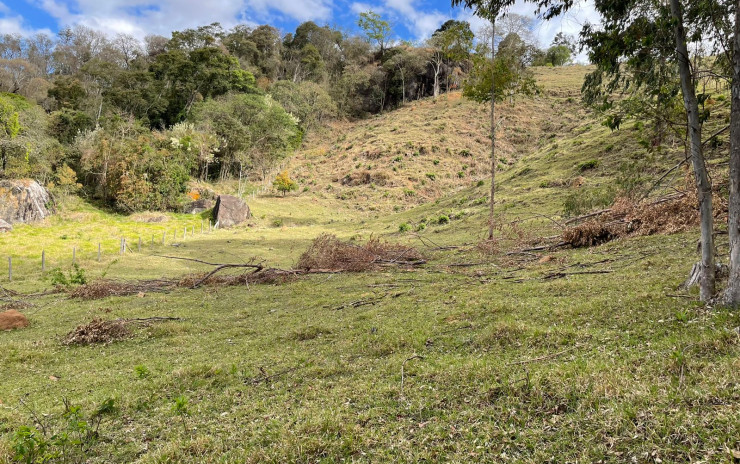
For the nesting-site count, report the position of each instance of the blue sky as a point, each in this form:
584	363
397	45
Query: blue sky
412	20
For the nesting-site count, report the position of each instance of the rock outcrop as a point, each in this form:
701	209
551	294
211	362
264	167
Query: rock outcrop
5	227
198	206
24	201
230	211
12	319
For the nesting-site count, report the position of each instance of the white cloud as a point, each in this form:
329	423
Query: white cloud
17	25
4	8
141	17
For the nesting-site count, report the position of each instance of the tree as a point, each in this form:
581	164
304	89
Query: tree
455	40
558	55
10	127
490	10
375	28
283	183
633	49
731	296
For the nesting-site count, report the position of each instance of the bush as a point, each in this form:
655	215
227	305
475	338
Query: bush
587	165
443	219
283	183
404	227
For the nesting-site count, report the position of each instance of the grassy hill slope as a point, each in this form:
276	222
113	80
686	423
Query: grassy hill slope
585	355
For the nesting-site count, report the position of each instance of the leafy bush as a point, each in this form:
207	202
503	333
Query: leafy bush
443	219
75	276
404	227
283	183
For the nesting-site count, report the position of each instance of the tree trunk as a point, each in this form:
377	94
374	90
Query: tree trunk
732	294
493	129
436	82
703	187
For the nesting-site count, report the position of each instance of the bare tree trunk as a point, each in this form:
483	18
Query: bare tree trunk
703	187
732	294
493	130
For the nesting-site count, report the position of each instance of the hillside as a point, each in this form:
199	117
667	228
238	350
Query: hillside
485	353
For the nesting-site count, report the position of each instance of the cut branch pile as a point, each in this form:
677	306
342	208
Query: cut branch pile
327	252
105	288
101	331
668	215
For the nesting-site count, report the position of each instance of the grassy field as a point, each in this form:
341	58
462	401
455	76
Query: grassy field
585	355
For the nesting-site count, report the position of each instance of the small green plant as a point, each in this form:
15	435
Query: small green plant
435	162
180	408
465	153
431	175
420	226
404	227
479	183
398	159
682	316
408	192
443	219
460	174
75	276
141	371
277	223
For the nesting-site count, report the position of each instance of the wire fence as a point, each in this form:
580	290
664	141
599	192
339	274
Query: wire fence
25	267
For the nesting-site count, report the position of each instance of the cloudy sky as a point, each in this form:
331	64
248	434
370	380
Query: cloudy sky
411	19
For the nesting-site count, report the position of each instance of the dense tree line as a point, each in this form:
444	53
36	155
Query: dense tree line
135	120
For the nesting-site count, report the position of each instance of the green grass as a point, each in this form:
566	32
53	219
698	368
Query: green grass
473	357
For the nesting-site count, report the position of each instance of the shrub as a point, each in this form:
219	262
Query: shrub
587	165
404	227
431	175
75	276
283	183
443	219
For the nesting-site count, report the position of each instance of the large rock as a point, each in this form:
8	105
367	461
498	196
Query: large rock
198	206
5	227
12	319
230	211
24	200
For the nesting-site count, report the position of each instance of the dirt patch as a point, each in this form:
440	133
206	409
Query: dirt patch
12	319
329	253
97	331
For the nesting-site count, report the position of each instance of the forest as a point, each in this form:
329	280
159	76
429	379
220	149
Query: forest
130	123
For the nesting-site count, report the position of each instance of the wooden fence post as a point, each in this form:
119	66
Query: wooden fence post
43	260
10	269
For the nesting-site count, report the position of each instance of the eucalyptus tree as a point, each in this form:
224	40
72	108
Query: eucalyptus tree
490	10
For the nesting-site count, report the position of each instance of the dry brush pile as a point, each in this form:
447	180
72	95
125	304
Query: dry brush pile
668	215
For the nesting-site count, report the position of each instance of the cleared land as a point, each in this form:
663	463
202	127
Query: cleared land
585	355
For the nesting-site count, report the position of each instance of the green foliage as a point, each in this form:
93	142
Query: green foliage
443	219
141	371
308	101
68	437
74	276
404	227
284	184
375	28
587	165
510	75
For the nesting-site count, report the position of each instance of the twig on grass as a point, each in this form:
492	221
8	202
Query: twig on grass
403	366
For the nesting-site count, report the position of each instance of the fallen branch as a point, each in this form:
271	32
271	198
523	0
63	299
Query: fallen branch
403	365
560	275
